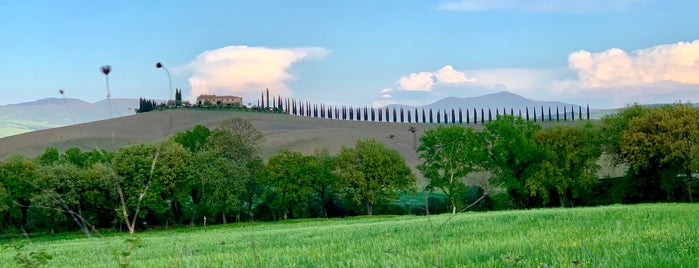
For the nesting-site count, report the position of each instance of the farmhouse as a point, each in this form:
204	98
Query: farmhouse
219	100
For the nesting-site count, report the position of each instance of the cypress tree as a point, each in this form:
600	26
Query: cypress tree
416	115
534	114
550	114
579	112
558	115
423	115
453	116
401	115
527	111
409	119
490	116
380	113
460	117
475	116
430	115
482	116
468	118
565	114
438	117
542	113
588	112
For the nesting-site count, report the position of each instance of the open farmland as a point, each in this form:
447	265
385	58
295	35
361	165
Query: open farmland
653	235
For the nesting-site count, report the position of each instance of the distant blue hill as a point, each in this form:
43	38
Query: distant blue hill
56	112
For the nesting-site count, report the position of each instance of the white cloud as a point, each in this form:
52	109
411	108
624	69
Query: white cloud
425	81
386	90
421	81
448	75
540	6
675	63
246	71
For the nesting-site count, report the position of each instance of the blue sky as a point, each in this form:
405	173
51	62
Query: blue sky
362	53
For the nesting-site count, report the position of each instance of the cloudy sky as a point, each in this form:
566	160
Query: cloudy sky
606	53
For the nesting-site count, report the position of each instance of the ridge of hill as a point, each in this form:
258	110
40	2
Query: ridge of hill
55	112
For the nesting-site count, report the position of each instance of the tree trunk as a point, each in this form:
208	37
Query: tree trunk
369	208
453	208
223	216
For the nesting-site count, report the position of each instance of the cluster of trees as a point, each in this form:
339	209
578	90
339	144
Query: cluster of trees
658	147
195	176
220	174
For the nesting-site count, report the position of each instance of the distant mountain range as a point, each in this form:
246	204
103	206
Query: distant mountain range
55	112
493	101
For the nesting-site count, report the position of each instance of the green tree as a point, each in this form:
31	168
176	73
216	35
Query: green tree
4	199
323	180
663	144
371	171
288	179
641	183
61	187
16	175
193	140
146	176
512	155
449	155
242	144
219	184
569	164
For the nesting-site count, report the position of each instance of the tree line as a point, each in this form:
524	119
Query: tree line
209	176
199	176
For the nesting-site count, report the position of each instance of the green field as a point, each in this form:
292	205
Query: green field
654	235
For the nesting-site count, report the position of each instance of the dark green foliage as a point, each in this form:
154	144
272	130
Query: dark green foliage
370	172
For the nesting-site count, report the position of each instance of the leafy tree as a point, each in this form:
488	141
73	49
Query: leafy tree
449	155
16	174
680	141
288	180
663	143
371	171
49	156
193	140
569	164
145	177
323	180
4	199
244	144
218	184
61	187
512	155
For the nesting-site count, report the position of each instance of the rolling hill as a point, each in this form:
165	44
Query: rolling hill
54	112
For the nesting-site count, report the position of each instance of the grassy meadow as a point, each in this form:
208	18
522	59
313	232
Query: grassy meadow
649	235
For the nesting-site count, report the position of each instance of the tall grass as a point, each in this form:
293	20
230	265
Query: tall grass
655	235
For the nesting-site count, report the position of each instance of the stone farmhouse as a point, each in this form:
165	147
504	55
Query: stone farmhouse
220	100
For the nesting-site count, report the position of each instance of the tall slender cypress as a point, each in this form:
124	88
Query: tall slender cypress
482	116
527	114
461	121
588	112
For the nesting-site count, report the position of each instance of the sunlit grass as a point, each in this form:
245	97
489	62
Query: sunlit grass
654	235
